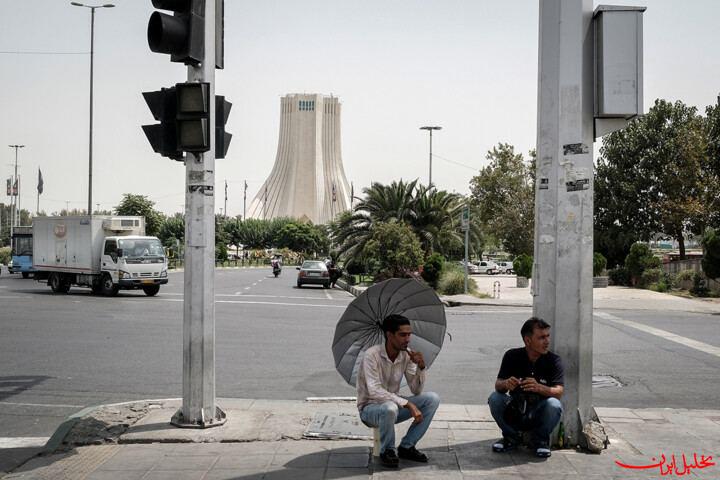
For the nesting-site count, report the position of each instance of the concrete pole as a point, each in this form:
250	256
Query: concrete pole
90	136
199	407
562	274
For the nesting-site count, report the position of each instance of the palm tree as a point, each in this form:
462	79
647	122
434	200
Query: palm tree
433	215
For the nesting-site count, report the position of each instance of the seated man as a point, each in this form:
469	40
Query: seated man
378	384
533	376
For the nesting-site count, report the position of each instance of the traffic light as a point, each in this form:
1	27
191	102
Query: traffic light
184	114
193	116
163	137
222	138
182	34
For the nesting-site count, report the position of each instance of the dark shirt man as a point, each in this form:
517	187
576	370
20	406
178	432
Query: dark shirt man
528	389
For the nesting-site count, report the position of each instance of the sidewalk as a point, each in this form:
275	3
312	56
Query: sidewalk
264	439
618	298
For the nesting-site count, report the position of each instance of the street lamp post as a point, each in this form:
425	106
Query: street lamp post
14	198
430	129
92	52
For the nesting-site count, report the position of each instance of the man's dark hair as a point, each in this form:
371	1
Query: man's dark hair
531	324
392	323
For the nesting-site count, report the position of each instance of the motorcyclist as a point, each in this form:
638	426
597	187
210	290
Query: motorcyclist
276	263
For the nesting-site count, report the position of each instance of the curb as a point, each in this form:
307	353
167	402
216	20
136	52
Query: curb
348	288
64	428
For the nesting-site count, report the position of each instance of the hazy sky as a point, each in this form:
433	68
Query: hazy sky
467	65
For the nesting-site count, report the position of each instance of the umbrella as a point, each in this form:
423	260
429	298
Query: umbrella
360	327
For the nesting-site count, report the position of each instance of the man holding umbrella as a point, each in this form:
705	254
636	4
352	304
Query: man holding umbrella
378	384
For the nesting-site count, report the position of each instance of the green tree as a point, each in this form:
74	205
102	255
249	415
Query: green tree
649	179
504	198
172	230
142	206
712	173
431	214
711	250
638	260
300	237
403	257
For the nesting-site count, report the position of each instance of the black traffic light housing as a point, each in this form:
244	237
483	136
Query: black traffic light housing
182	34
222	138
184	114
193	116
163	137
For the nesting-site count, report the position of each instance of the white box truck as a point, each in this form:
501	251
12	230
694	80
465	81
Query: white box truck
105	253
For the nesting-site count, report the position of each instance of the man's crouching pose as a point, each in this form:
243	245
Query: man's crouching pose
378	384
533	377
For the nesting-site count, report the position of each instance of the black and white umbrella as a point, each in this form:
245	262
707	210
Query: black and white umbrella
360	327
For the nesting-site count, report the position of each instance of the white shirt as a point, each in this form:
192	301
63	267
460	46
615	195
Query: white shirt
379	378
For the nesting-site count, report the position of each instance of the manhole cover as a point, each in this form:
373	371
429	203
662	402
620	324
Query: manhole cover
605	381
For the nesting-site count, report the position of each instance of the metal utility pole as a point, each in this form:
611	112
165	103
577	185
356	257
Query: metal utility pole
199	408
244	199
562	274
15	190
430	129
92	55
465	223
225	209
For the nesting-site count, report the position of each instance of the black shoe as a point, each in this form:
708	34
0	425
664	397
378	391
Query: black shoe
413	454
505	444
389	458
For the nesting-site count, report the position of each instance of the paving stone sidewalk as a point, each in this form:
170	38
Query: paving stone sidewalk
264	439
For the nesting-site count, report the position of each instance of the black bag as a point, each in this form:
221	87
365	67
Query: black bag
516	413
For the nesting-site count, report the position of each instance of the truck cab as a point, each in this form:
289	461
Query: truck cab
134	262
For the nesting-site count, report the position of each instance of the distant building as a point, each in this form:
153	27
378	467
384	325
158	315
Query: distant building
308	180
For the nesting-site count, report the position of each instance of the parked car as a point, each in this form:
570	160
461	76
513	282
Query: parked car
313	272
506	267
472	268
487	266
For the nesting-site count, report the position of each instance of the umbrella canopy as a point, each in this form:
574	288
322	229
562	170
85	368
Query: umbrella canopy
360	327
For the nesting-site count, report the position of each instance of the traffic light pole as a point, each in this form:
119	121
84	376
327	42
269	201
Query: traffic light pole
562	274
199	408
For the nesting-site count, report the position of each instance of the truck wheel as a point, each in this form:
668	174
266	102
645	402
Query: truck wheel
25	275
151	290
55	282
97	287
108	287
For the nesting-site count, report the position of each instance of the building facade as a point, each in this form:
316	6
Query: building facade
307	181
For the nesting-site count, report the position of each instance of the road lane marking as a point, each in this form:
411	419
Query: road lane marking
22	442
42	405
450	311
247	288
327	294
688	342
253	295
263	303
14	296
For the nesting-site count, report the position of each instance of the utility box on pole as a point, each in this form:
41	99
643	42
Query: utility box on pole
618	66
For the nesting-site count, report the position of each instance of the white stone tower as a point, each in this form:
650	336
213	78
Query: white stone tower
308	180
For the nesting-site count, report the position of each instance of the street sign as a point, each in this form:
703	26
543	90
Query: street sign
465	218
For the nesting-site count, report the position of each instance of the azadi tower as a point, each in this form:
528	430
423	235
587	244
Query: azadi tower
308	180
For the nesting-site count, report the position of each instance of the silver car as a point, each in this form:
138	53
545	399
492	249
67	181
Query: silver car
313	272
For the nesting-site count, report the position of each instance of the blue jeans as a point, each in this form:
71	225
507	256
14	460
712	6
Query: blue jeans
542	418
384	416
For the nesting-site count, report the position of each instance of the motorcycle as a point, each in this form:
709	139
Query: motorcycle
276	269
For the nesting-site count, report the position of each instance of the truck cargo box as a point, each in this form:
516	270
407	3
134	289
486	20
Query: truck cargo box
74	244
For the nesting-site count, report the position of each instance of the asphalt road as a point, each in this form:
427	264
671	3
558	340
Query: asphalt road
60	353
